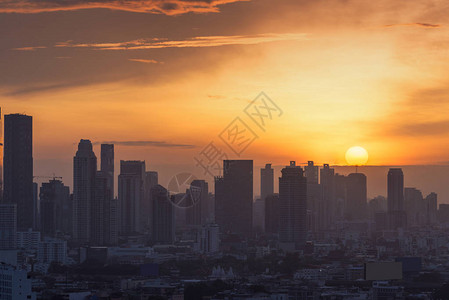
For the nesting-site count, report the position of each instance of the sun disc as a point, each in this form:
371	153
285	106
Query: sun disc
356	156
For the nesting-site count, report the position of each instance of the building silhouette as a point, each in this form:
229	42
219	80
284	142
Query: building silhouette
266	181
395	190
108	204
198	199
356	196
325	215
18	167
414	207
84	173
55	208
292	207
130	195
163	228
234	197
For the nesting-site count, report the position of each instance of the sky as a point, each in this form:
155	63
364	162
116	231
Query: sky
164	79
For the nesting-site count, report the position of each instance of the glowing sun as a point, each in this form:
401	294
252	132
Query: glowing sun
356	156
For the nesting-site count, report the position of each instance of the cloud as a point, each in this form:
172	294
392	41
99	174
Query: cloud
434	128
29	48
145	61
195	42
160	144
422	25
168	7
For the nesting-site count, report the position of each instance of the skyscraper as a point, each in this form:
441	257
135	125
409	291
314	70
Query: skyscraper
234	197
109	206
326	213
84	173
107	165
356	196
198	195
130	195
314	196
266	181
55	208
266	189
395	189
163	227
292	207
414	207
204	200
18	167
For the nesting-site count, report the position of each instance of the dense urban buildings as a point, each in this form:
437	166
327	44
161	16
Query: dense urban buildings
319	235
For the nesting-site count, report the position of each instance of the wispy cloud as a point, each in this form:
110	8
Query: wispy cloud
422	25
145	61
160	144
195	42
29	48
168	7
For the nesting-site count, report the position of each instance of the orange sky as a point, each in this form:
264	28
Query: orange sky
344	73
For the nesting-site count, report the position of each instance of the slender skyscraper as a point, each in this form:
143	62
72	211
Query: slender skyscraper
198	195
266	181
84	173
163	216
396	211
107	165
327	208
18	167
292	207
234	197
130	195
414	207
105	187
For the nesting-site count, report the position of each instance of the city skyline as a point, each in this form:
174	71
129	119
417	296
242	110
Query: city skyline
376	183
